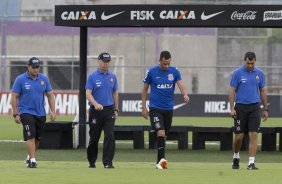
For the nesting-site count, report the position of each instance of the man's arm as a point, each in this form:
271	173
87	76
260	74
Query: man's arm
183	90
91	99
51	100
263	96
115	96
144	95
232	101
15	98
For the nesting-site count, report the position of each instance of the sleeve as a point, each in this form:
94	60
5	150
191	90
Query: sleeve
234	80
177	75
148	77
17	86
262	81
48	85
115	88
89	83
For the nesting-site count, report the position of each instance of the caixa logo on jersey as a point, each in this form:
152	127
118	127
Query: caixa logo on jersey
78	15
248	15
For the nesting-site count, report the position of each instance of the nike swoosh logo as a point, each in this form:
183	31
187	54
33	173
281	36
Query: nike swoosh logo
106	17
206	17
178	106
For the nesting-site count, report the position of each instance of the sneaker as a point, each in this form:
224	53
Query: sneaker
27	162
235	164
109	167
92	165
158	166
252	167
32	165
163	163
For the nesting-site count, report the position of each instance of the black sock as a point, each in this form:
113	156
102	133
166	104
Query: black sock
161	148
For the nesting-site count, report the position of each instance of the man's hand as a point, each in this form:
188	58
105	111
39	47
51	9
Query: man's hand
264	115
98	107
186	98
233	114
145	113
53	116
18	119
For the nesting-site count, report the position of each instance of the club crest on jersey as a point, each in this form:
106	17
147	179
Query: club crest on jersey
42	83
257	77
170	77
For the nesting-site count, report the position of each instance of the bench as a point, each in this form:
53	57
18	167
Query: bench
135	133
179	133
202	134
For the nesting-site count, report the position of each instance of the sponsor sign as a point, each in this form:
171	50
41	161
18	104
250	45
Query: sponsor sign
131	105
168	15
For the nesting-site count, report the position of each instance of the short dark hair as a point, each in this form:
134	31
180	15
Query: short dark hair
250	56
165	54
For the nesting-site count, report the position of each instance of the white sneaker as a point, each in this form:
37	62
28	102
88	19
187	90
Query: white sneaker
163	163
158	166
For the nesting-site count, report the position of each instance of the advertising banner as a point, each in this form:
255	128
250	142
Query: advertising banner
168	15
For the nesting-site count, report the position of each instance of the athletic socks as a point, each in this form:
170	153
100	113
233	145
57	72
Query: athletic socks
161	148
251	160
236	155
32	160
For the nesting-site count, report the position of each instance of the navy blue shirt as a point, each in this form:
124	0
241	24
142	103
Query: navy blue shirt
162	84
102	86
247	85
31	93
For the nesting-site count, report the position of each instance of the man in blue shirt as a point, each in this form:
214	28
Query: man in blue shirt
102	94
247	91
162	79
28	102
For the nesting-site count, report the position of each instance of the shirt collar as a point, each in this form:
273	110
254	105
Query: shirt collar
100	72
28	76
244	68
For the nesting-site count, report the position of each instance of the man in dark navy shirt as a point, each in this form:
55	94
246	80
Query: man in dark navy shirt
28	104
162	79
247	91
102	94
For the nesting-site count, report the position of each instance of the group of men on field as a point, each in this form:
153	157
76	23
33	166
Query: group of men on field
247	91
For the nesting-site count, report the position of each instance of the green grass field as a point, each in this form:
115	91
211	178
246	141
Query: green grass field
135	166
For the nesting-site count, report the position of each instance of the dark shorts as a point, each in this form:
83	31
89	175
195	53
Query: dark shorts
248	118
33	126
161	119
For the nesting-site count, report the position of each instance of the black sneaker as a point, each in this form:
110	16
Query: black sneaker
27	162
235	164
252	167
32	165
92	165
109	167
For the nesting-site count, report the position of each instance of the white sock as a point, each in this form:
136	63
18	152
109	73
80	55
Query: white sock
32	160
251	160
27	157
236	155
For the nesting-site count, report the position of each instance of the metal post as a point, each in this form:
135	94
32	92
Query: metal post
82	82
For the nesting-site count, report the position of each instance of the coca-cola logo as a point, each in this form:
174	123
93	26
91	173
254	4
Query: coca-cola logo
249	15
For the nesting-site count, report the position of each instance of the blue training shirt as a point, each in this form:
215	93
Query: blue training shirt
247	85
102	86
31	93
162	84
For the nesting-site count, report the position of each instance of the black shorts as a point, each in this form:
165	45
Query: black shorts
248	118
33	126
161	119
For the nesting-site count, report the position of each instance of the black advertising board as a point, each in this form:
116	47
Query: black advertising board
168	15
199	105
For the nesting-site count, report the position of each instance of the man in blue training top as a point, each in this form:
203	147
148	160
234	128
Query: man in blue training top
28	104
102	94
247	91
162	79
